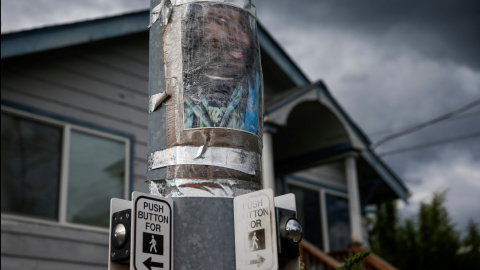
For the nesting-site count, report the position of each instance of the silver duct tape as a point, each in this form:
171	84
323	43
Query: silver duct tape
166	12
164	9
202	187
232	158
155	14
173	67
155	100
244	4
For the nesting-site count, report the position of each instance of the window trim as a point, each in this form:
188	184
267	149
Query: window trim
322	190
67	125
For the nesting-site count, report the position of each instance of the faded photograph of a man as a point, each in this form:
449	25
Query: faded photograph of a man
221	68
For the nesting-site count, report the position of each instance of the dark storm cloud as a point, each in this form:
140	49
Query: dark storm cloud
438	29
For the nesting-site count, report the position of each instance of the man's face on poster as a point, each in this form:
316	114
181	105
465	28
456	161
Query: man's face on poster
227	42
227	35
220	73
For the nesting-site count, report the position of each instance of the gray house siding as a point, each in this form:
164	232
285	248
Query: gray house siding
104	84
27	245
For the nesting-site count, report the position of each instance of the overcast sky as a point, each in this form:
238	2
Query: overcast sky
390	64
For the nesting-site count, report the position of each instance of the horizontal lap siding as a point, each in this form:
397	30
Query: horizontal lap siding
94	84
38	246
76	98
15	263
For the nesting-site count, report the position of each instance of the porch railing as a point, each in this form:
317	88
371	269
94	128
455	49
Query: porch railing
315	259
372	261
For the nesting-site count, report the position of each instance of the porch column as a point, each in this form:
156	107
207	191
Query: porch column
268	175
354	199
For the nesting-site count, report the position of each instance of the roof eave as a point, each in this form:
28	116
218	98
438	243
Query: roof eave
270	46
386	174
55	37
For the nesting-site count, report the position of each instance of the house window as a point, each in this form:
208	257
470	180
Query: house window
31	155
324	215
308	213
58	171
338	217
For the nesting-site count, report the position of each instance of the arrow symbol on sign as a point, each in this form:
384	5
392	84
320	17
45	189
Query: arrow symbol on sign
259	260
149	264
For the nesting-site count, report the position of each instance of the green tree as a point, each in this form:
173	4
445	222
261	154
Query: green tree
407	256
469	251
426	241
437	237
384	233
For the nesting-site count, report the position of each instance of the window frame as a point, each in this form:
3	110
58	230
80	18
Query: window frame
67	127
322	189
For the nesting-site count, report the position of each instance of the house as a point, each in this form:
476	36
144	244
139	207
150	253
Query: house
74	135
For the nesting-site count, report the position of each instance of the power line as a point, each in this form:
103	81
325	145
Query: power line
425	124
420	146
457	117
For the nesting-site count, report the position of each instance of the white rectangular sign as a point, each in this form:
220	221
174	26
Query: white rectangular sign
255	231
152	231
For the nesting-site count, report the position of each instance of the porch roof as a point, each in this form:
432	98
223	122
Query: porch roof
311	128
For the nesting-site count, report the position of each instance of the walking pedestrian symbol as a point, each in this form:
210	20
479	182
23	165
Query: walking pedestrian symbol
153	243
256	240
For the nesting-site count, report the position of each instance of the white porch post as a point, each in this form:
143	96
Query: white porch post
268	177
354	199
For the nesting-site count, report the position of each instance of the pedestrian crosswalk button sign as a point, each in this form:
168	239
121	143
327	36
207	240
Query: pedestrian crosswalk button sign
153	230
255	231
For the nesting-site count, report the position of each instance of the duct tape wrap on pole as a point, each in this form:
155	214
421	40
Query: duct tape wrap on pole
205	99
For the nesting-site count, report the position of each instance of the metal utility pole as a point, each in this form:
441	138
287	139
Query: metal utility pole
206	209
205	121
